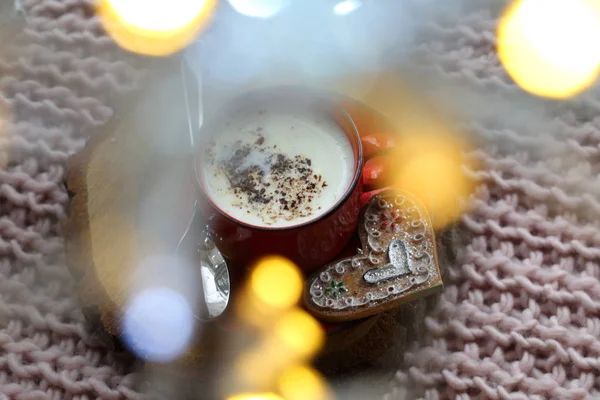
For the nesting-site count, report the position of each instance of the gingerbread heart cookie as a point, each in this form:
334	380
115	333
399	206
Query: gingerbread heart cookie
396	264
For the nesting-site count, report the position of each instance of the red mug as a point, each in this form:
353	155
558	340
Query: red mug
309	244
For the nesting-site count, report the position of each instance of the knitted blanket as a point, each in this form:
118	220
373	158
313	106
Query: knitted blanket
58	78
520	315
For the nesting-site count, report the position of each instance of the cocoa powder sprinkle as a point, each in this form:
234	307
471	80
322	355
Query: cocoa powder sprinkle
284	188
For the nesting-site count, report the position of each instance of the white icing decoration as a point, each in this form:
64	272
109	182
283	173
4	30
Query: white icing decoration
373	259
422	269
374	244
399	264
417	237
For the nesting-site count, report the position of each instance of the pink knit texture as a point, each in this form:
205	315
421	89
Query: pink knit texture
520	316
59	85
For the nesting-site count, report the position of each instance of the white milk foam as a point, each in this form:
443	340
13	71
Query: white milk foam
315	168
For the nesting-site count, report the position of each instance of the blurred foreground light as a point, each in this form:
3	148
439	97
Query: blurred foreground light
301	335
430	167
258	8
154	27
255	396
294	338
550	47
275	286
169	272
158	324
345	7
258	367
276	282
302	383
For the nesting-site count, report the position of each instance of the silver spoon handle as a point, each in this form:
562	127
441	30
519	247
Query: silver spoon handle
197	247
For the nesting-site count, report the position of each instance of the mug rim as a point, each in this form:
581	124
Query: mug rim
317	94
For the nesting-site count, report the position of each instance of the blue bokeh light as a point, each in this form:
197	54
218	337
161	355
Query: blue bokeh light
158	324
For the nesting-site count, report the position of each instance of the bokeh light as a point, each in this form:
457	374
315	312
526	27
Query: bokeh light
275	286
286	335
299	333
154	27
428	158
429	166
346	7
158	324
300	382
258	367
550	47
276	282
258	8
167	271
295	338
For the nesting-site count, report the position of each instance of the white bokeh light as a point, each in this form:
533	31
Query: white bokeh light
158	324
258	8
570	46
345	7
549	47
158	15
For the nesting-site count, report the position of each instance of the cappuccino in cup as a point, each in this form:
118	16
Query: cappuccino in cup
275	166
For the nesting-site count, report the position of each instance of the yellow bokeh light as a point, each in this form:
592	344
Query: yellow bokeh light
154	27
300	334
550	47
430	167
255	396
301	382
276	282
257	368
